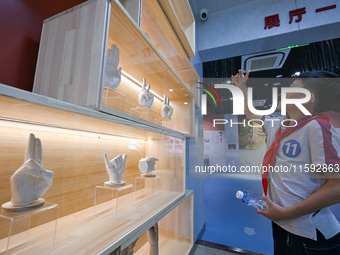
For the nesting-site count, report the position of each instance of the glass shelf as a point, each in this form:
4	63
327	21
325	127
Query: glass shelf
114	99
15	228
145	113
109	193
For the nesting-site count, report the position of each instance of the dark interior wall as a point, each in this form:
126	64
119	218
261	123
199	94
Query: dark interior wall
323	55
20	29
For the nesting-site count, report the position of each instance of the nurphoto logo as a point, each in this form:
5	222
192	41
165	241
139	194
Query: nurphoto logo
239	101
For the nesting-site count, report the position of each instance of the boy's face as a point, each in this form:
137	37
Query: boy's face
297	83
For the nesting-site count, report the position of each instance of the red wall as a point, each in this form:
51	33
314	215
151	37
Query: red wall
20	29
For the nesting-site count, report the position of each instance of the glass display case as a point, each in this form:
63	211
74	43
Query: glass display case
158	28
74	140
75	48
182	20
94	68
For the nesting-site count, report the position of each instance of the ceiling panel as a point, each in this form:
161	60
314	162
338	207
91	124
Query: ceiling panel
210	5
219	5
227	4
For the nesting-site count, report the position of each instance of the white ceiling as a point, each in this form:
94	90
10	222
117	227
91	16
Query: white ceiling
218	5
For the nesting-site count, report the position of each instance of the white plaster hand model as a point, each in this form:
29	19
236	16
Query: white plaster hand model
115	168
147	165
145	98
153	239
167	110
31	180
112	75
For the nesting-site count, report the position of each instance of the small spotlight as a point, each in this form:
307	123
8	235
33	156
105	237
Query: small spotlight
171	90
185	102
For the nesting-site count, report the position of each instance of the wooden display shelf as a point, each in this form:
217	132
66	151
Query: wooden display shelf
71	62
183	12
75	132
74	139
156	25
175	231
71	54
182	20
123	103
85	233
30	107
139	57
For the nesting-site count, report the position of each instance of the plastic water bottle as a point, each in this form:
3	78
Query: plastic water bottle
252	199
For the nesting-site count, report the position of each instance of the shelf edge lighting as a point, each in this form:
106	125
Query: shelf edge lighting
47	126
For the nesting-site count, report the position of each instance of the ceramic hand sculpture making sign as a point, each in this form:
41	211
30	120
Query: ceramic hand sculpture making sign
112	74
30	181
167	110
146	166
115	168
145	98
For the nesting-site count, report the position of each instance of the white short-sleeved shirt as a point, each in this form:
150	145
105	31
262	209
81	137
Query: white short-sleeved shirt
293	180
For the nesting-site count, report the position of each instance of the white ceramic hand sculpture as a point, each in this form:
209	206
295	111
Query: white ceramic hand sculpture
153	239
167	110
145	98
147	165
31	180
112	75
115	168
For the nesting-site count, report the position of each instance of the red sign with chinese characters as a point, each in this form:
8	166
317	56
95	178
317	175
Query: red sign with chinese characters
274	20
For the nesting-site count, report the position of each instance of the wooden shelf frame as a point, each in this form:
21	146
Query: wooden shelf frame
59	125
85	233
156	25
66	129
144	60
183	12
72	56
70	68
139	59
181	120
183	22
175	231
43	104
